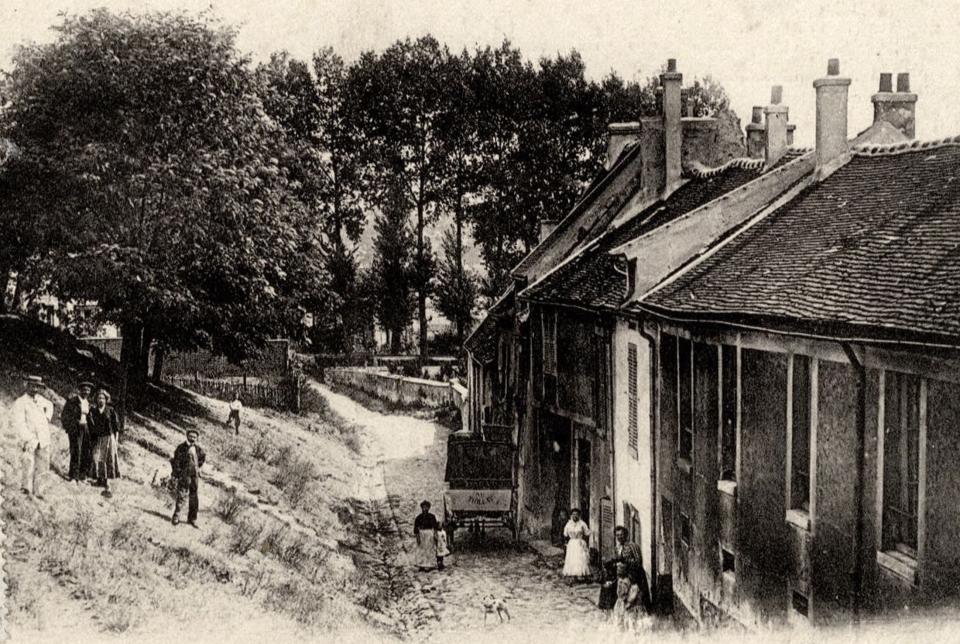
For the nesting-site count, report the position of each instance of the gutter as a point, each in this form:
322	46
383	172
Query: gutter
861	428
654	434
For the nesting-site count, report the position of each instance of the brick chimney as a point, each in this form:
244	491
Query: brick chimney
619	136
831	135
670	81
896	108
755	133
776	127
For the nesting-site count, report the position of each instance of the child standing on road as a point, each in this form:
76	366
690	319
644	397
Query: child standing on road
442	550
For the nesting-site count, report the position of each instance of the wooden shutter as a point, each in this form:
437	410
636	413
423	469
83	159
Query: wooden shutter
550	342
632	424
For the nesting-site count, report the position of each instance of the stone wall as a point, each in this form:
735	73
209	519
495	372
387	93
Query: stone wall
377	382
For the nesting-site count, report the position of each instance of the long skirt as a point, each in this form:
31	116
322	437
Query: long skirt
425	556
106	462
577	561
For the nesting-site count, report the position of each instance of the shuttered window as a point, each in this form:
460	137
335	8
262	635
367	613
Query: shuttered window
550	342
632	398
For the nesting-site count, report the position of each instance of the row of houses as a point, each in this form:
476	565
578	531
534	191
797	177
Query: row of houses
753	365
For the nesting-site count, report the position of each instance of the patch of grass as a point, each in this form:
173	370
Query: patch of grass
293	476
260	448
230	505
233	451
246	534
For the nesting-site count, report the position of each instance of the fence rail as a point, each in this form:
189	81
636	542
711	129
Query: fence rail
283	395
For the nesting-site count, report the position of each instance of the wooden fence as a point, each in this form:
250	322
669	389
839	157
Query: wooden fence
283	395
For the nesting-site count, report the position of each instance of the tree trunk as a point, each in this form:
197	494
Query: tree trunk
458	219
395	336
132	335
421	284
143	359
158	365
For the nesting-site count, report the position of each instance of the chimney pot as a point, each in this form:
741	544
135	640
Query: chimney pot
831	133
776	94
903	82
886	82
672	82
671	64
757	114
833	67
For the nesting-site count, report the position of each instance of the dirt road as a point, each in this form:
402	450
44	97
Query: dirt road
409	456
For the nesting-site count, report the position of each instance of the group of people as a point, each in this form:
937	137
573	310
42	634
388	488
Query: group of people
93	430
624	589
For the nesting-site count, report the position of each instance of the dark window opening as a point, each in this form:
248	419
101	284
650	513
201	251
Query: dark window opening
685	376
632	402
728	430
728	562
800	447
801	603
901	463
686	531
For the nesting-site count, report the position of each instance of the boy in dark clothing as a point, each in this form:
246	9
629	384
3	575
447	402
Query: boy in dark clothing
187	461
74	420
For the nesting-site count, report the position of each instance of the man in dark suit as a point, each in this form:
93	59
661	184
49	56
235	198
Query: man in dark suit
74	421
187	461
630	555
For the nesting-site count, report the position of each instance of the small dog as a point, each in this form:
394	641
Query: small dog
493	605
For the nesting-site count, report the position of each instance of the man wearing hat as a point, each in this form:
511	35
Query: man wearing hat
187	460
30	416
74	421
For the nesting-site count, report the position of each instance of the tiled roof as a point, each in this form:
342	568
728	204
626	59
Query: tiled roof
597	279
873	249
482	342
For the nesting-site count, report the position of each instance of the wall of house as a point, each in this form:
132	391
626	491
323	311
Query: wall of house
633	467
777	555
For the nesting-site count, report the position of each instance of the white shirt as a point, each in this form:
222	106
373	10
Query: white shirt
84	410
29	420
236	405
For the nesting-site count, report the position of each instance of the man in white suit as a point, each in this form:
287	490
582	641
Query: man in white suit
30	417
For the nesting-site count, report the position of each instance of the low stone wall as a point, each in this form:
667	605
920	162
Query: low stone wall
398	389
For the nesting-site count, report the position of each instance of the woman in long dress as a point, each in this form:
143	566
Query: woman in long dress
104	429
577	562
425	528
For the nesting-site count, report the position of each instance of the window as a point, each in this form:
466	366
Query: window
631	276
632	412
728	413
685	377
686	539
800	603
800	437
728	562
549	342
901	463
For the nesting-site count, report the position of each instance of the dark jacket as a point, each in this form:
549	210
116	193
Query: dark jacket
70	416
182	465
103	423
425	521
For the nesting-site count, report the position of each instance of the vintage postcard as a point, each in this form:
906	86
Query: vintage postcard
446	321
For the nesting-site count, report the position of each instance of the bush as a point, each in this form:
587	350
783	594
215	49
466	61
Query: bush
230	505
293	475
233	451
246	534
260	448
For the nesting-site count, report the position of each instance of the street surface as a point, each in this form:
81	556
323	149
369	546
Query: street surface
410	458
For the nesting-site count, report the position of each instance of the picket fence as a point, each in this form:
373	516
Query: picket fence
282	396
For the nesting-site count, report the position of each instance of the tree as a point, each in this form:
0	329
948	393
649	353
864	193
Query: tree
393	271
456	295
403	94
152	173
328	170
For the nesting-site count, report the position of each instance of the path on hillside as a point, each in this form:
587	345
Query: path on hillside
408	456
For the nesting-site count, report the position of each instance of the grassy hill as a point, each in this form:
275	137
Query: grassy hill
283	542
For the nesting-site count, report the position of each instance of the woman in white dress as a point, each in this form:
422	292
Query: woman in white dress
577	562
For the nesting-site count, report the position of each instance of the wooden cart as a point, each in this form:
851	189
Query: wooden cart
481	490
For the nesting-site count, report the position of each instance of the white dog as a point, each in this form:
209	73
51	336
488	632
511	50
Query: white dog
493	605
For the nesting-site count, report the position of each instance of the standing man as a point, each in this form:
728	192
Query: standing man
30	416
187	461
235	408
74	421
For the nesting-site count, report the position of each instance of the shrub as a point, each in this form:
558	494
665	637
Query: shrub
233	451
230	505
261	447
125	533
246	534
293	476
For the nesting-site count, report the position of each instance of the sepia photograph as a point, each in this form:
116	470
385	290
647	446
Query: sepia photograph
445	321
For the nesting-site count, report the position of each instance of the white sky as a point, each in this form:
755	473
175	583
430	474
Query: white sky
748	46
